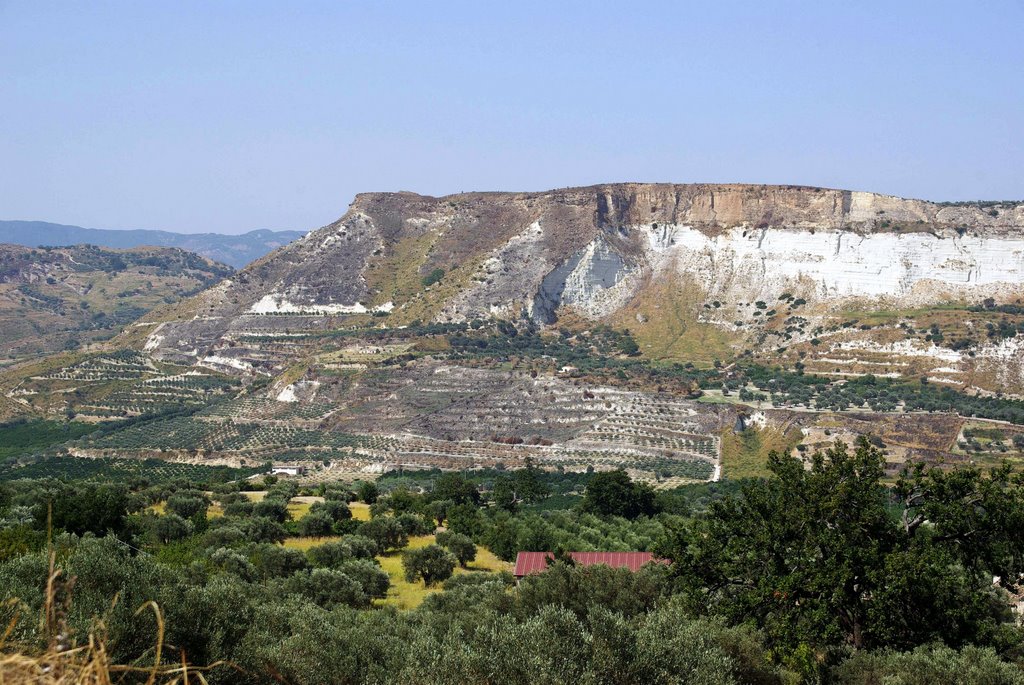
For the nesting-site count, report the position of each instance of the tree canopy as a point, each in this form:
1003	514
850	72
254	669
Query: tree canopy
827	555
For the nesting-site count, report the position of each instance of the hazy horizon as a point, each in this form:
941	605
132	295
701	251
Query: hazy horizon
233	117
145	228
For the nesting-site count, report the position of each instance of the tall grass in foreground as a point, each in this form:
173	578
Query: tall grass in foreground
61	663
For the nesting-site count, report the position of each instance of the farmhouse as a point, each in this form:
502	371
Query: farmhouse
288	470
528	563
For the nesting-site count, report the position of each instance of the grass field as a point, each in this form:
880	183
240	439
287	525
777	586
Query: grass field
298	509
671	329
405	595
360	511
306	543
402	594
745	455
215	511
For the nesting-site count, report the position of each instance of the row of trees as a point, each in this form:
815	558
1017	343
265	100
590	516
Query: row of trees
813	573
592	625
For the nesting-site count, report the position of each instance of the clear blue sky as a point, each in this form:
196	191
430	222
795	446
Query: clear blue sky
228	116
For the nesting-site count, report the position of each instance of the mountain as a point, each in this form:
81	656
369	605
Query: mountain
234	250
61	298
694	272
678	331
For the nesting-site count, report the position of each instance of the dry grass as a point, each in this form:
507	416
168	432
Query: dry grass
745	455
360	511
298	510
90	663
303	544
670	307
214	511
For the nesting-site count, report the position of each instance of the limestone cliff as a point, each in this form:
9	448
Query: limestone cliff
599	253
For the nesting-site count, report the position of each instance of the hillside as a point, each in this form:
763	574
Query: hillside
677	331
694	272
55	299
234	250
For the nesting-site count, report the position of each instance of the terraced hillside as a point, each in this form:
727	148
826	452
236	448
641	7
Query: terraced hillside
679	332
61	298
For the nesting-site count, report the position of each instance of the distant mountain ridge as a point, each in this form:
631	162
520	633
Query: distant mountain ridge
62	298
234	250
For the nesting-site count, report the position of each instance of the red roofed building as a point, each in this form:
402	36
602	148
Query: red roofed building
528	563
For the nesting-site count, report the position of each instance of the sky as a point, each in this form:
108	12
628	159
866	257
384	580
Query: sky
232	116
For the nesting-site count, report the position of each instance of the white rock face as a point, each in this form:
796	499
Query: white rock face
839	264
600	281
298	391
221	363
275	303
154	339
903	348
504	279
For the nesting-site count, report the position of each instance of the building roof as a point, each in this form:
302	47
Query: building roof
537	562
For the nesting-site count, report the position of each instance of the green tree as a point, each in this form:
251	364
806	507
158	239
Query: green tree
350	547
274	561
336	510
316	524
262	529
465	519
431	563
187	505
413	524
529	483
327	587
817	558
371	577
368	492
171	527
399	501
459	545
86	508
455	488
386	531
273	509
613	493
504	493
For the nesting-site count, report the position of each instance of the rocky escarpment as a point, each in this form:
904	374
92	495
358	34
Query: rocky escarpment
596	252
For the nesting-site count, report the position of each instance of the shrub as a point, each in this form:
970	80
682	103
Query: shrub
433	277
328	588
927	664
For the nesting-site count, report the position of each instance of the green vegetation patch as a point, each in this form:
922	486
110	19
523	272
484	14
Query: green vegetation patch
152	470
22	436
